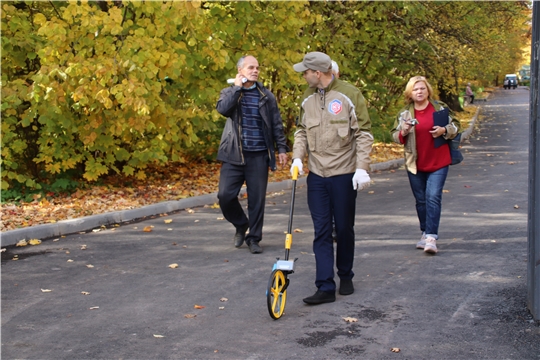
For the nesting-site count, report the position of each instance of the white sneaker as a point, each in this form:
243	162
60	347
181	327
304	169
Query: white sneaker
430	246
422	243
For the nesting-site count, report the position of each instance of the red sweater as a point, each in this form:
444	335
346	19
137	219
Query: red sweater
429	158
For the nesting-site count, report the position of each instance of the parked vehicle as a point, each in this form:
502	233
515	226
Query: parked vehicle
510	81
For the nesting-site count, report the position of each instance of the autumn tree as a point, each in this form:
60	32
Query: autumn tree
91	88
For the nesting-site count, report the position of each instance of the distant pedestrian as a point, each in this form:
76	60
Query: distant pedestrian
469	93
254	129
427	166
334	131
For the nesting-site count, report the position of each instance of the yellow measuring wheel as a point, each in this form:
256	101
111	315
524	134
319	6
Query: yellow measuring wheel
276	292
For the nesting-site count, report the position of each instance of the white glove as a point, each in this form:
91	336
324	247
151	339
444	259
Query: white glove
297	163
360	179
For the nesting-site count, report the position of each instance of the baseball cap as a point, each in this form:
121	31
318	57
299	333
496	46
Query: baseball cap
314	61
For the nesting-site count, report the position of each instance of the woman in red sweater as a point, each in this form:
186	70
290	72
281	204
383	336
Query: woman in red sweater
426	165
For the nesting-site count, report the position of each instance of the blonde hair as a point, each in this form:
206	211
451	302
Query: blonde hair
408	89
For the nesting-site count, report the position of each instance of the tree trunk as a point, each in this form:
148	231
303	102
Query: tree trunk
452	100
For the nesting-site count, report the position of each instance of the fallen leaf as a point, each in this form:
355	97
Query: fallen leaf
371	192
199	307
83	247
22	243
89	266
196	220
167	221
96	230
190	316
69	260
516	206
34	242
223	299
45	290
93	308
147	229
221	307
396	350
446	191
219	218
85	293
298	231
190	211
173	266
158	336
350	319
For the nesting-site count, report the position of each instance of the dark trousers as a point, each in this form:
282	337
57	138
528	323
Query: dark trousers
332	198
231	178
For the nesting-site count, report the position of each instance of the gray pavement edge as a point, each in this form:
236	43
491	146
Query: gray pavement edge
88	223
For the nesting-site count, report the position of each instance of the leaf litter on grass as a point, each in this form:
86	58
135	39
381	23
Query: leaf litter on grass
165	183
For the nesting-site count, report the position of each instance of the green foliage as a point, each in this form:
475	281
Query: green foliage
93	88
64	184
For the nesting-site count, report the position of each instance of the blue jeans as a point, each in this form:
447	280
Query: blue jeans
332	200
427	189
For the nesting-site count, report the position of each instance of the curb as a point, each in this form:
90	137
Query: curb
87	223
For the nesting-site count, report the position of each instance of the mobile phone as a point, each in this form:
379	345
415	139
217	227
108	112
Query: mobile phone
231	81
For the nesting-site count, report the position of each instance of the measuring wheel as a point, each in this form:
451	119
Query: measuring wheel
276	294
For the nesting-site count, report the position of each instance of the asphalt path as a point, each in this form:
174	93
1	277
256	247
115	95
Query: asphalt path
112	293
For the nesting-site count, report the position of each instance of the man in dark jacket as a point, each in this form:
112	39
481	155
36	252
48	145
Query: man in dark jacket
247	150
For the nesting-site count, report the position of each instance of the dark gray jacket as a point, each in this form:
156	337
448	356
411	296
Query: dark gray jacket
230	148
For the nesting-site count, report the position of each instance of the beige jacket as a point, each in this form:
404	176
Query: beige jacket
452	129
334	130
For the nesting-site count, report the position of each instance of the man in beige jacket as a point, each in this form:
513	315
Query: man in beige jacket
334	131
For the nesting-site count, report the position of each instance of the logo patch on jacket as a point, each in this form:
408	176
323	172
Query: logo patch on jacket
335	107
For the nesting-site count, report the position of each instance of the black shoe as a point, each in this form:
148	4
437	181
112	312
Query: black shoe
346	287
320	297
255	248
240	235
